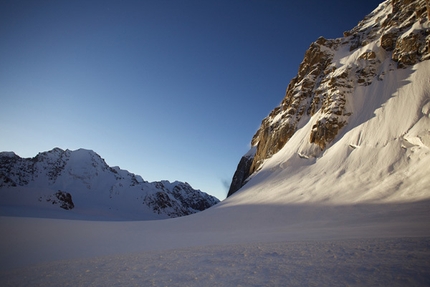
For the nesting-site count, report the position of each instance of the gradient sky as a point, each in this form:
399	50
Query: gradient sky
167	89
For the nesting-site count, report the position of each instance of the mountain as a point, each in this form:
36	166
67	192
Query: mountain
354	124
82	183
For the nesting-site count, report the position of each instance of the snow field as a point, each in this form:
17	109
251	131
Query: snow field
229	244
358	262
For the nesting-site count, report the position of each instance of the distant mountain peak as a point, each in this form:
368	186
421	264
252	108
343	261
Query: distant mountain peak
82	180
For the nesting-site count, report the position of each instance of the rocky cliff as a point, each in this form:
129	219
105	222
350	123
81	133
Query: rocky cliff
82	180
396	35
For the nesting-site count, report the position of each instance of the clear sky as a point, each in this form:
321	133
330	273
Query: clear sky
167	89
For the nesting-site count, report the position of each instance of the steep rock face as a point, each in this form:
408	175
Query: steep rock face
394	36
242	172
82	179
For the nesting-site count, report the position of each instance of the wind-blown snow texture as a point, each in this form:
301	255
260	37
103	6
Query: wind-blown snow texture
353	213
83	184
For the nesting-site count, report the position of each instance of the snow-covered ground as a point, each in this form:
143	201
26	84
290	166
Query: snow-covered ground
226	245
372	262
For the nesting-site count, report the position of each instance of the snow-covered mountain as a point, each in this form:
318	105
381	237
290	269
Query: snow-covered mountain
81	182
334	191
354	124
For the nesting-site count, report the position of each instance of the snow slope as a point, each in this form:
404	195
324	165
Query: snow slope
383	155
355	214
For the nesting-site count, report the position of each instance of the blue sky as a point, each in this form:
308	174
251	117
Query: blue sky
167	89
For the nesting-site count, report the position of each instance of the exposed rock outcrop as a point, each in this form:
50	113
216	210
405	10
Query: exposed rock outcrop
62	198
242	172
397	31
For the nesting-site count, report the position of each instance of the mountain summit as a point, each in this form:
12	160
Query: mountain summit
81	181
354	124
